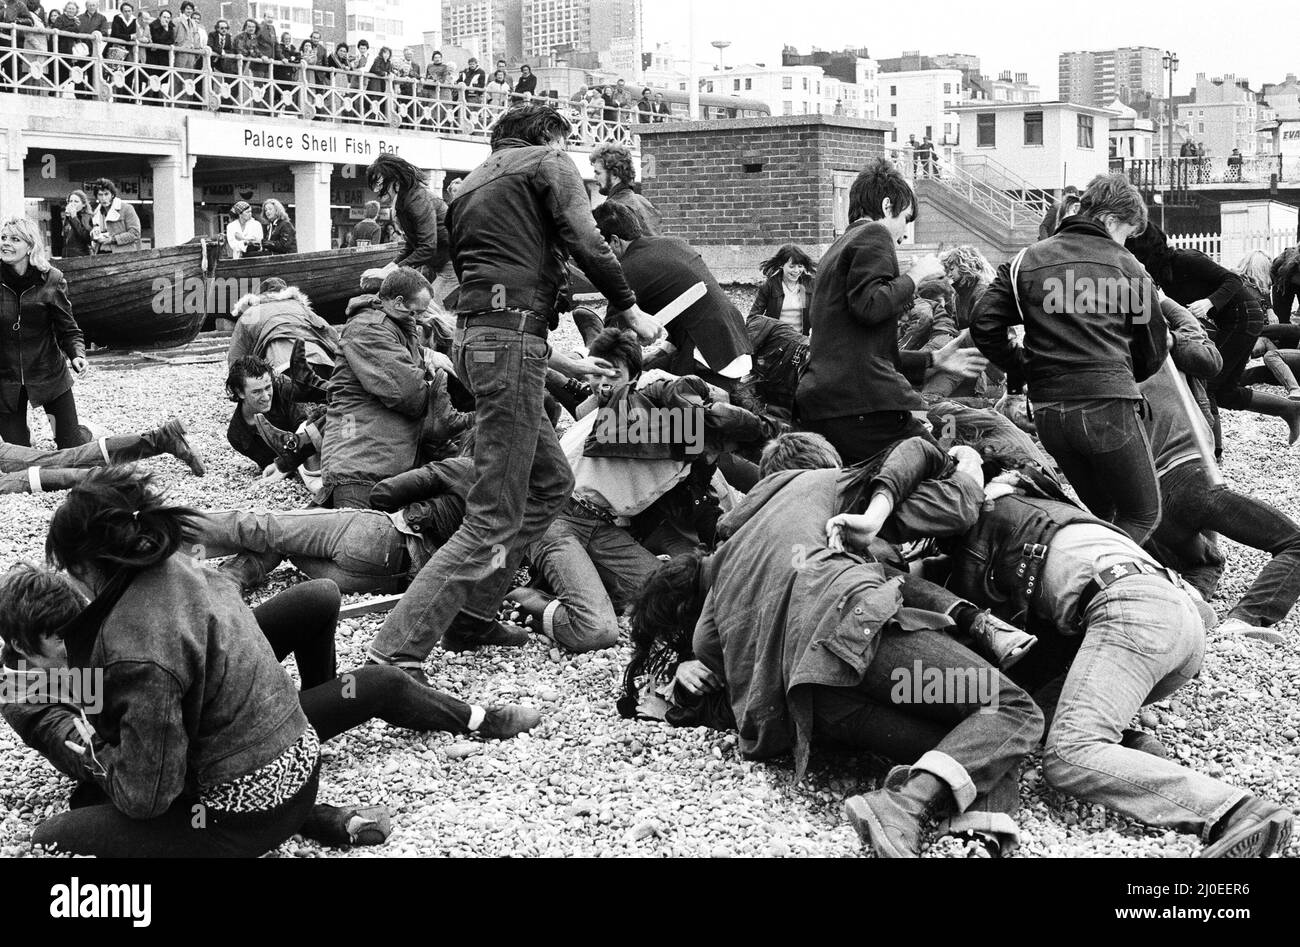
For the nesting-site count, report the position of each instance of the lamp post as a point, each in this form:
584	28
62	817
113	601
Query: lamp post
1170	62
720	45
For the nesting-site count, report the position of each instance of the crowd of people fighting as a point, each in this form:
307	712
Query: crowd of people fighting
953	468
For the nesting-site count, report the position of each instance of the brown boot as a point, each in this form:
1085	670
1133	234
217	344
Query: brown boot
1001	643
892	821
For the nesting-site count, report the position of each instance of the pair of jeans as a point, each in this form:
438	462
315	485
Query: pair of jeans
593	568
360	550
1268	373
860	437
1103	450
521	481
62	412
1143	640
15	462
986	725
1236	329
1193	505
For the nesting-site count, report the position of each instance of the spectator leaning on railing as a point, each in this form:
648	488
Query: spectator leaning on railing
527	84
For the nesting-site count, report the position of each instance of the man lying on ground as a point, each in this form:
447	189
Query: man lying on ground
32	470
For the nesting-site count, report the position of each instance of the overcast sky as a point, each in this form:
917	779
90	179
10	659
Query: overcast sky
1211	37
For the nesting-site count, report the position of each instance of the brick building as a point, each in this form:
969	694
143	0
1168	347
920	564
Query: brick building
737	189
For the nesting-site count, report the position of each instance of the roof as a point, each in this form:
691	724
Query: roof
1031	106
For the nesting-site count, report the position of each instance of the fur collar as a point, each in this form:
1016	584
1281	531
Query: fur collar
244	303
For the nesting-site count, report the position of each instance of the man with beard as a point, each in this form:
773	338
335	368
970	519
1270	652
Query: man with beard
612	166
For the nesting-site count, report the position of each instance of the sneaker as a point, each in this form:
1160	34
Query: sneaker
509	720
1255	829
1235	626
497	633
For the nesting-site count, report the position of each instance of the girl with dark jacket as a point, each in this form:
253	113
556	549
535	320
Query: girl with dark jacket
1233	310
414	209
195	716
38	337
787	291
527	84
380	70
77	224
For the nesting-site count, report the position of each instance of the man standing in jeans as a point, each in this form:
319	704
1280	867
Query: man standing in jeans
1093	330
513	223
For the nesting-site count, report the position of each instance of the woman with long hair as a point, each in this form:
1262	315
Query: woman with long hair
77	224
38	338
787	290
194	709
1257	271
1236	310
970	274
396	179
280	235
498	90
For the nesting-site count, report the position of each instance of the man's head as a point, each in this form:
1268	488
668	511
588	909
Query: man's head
315	37
534	124
372	210
268	16
437	59
453	188
619	225
223	26
659	97
473	63
882	194
501	64
186	8
389	174
798	450
1115	204
37	605
405	292
612	165
646	92
92	6
105	191
251	384
622	350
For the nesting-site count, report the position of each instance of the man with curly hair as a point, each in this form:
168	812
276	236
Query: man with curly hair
615	177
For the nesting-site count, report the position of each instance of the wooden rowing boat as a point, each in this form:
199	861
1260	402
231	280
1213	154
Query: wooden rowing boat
151	299
142	299
329	278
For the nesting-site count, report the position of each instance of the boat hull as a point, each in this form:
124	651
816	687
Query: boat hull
144	299
329	278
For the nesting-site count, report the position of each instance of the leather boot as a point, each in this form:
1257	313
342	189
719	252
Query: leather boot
1256	828
61	478
307	385
168	439
892	821
1261	402
1000	642
589	324
422	483
468	634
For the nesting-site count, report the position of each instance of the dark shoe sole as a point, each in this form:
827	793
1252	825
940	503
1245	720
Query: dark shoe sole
457	644
870	831
1257	840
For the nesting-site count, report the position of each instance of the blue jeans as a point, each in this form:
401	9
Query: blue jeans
987	741
1192	505
1104	452
593	568
1143	640
360	550
521	481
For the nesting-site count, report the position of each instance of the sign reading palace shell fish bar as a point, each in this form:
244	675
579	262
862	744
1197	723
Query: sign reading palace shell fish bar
325	143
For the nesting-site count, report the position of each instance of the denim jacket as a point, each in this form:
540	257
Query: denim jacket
193	695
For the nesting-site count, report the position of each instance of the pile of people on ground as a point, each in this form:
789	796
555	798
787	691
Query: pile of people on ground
951	471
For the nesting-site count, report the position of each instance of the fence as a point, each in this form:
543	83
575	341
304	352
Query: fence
36	61
1180	174
1228	249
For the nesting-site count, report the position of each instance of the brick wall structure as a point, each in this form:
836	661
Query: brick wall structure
737	189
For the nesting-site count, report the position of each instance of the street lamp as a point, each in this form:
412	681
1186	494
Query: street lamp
1170	62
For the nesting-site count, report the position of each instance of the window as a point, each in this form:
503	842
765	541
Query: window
787	82
805	83
1085	131
893	90
986	130
947	88
787	108
749	84
893	110
947	129
708	86
735	85
1200	128
317	18
1033	128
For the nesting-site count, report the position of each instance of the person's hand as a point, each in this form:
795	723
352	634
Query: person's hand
925	267
647	327
434	361
79	365
273	474
1200	308
851	531
954	360
589	366
696	678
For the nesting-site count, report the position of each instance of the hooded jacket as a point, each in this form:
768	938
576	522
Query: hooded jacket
379	395
1093	326
37	336
285	314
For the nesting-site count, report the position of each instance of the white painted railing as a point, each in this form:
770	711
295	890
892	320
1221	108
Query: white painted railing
1228	249
179	77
